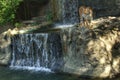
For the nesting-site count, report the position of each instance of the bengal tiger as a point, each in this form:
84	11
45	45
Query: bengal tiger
86	16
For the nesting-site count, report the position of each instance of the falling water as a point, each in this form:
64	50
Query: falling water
35	51
67	12
69	9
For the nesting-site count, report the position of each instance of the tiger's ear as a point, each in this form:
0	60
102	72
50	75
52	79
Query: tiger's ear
81	9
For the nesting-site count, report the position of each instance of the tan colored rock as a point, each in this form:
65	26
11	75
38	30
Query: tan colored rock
96	55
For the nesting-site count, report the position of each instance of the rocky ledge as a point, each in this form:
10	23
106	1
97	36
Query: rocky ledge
94	52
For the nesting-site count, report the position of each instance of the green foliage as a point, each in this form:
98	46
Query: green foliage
18	25
49	16
7	10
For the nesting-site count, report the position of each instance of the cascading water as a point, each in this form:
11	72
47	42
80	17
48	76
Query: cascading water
36	51
70	11
67	11
43	51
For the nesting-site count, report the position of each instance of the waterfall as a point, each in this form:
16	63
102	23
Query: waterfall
66	11
70	11
36	51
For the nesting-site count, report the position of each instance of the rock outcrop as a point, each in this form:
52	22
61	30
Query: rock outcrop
93	52
5	45
5	50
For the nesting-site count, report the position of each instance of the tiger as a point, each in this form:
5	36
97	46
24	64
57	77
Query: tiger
86	16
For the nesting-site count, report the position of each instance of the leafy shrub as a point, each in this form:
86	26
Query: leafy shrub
7	10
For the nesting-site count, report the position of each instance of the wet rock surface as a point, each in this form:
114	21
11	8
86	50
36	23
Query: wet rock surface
5	49
93	52
85	52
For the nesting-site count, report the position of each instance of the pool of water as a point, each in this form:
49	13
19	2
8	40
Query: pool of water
10	74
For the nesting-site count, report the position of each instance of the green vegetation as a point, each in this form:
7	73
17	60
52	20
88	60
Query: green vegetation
7	10
49	16
18	25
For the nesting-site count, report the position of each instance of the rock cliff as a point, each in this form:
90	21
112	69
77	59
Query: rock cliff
85	52
93	52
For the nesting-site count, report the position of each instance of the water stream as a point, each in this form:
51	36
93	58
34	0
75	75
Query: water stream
39	51
9	74
70	13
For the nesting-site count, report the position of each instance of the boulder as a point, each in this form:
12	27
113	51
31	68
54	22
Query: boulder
94	52
5	49
5	46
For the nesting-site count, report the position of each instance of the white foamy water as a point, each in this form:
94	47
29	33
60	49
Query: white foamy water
34	52
64	25
43	69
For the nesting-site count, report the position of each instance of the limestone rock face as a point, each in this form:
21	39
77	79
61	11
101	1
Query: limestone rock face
5	45
5	49
85	52
93	52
